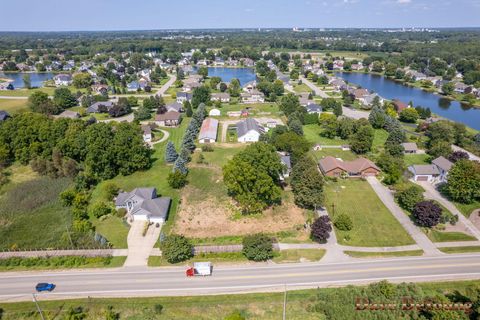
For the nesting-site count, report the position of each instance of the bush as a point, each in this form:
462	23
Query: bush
258	247
176	248
177	179
409	197
207	148
111	190
235	316
121	212
100	209
158	308
344	223
66	197
427	213
321	229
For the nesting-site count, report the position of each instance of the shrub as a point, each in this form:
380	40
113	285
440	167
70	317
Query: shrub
258	247
158	308
409	197
176	248
66	197
344	223
235	316
100	209
111	190
321	229
207	148
177	179
427	213
121	212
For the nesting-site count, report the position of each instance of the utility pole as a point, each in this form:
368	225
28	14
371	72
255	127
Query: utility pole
38	306
285	303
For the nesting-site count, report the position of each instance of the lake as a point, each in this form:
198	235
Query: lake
244	75
36	79
390	89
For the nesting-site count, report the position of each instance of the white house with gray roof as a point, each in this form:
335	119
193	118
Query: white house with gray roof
424	172
444	165
143	204
249	130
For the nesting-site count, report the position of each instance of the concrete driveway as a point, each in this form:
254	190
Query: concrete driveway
387	198
432	193
139	246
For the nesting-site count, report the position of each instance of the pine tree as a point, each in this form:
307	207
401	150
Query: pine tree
182	161
188	109
377	117
170	153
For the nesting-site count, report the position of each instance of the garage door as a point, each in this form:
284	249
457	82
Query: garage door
422	178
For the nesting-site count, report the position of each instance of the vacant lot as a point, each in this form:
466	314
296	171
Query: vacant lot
31	215
337	153
312	134
373	224
13	106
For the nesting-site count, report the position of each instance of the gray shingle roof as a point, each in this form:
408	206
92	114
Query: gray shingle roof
443	163
248	124
424	169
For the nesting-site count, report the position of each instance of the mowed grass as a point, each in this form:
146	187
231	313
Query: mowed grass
302	88
337	153
466	249
444	236
298	255
467	208
312	134
361	254
373	224
214	258
31	216
379	139
220	155
411	159
13	105
113	228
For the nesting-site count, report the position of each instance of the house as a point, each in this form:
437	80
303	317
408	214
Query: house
100	89
360	93
189	86
208	131
287	165
313	108
69	114
143	204
410	147
219	62
214	113
460	87
4	115
168	119
399	105
222	97
304	99
100	107
175	106
133	86
424	172
184	96
416	76
250	86
147	133
249	130
62	80
368	99
358	168
254	96
444	165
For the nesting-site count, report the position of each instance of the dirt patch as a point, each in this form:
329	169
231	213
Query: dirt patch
211	218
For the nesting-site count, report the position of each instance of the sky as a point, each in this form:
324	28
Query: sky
77	15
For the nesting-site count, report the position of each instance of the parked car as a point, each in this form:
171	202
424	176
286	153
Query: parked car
44	287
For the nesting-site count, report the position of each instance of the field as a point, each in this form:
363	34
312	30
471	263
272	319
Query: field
13	105
373	224
256	109
312	304
312	134
337	153
113	228
29	206
302	88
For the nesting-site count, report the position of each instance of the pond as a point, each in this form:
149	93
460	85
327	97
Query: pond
390	89
36	79
244	75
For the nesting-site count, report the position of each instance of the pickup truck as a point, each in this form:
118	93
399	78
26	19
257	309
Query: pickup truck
44	287
200	269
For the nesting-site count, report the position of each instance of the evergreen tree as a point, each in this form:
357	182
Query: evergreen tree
170	153
377	117
188	108
296	126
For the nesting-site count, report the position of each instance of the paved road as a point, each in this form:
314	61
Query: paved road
432	193
387	198
355	114
167	85
13	98
471	155
172	281
317	90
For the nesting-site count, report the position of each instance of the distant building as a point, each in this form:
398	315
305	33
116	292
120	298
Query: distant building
62	80
168	119
208	131
358	168
249	130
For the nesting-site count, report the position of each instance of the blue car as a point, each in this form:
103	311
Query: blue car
44	287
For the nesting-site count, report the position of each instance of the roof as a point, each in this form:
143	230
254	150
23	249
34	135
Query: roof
157	207
69	114
410	146
221	95
175	106
358	165
170	115
360	93
186	95
313	107
209	129
443	163
399	105
63	77
94	107
146	129
243	127
424	169
285	160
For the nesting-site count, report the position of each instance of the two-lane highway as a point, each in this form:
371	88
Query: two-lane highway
172	281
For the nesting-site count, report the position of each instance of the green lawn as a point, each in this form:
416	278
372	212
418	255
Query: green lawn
312	134
300	255
381	136
31	216
302	88
361	254
443	236
460	249
214	258
337	153
13	106
28	92
254	108
467	209
94	262
373	224
411	159
220	155
113	228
